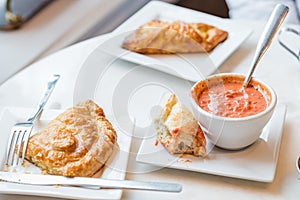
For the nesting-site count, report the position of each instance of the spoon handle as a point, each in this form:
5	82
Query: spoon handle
279	13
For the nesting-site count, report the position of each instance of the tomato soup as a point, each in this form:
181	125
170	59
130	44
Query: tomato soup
229	98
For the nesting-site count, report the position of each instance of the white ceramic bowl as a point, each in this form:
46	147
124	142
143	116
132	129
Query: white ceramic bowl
232	133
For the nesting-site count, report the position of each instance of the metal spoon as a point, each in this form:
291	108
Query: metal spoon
279	13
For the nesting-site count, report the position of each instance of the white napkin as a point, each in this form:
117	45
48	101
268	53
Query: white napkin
261	9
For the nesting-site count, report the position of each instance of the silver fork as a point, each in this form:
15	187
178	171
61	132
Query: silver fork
20	132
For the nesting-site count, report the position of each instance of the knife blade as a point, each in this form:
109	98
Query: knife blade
53	180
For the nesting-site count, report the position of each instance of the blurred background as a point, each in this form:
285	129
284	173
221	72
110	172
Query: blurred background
33	29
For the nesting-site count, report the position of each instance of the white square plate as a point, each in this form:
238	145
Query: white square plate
257	162
135	94
192	66
114	169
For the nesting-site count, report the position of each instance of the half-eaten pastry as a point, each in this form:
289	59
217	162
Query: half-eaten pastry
77	142
159	37
178	131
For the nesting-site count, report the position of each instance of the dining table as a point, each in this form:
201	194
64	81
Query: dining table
79	81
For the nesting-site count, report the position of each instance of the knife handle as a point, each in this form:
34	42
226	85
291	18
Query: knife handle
126	184
50	180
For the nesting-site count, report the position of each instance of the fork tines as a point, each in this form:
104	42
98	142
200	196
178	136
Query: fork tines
17	143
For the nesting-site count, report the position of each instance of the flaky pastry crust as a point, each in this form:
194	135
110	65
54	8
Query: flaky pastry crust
158	37
178	131
77	142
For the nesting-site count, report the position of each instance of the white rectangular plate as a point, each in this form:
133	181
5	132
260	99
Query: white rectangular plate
115	168
257	162
192	66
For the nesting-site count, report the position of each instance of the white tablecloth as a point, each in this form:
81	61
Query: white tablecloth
278	68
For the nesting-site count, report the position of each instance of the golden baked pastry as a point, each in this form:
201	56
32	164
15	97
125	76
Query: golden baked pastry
178	131
77	142
158	37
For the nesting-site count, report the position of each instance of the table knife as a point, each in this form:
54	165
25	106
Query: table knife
48	180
